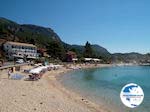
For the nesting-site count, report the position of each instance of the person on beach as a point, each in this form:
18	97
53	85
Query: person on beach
9	73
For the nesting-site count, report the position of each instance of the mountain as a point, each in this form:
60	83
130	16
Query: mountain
34	34
130	58
41	37
97	49
101	51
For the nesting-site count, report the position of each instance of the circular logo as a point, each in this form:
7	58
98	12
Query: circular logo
132	95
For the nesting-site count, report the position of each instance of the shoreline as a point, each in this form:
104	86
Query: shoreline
44	95
54	80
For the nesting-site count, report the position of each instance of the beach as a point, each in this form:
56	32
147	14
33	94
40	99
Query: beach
44	95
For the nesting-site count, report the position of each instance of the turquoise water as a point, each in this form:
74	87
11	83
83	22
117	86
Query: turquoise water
103	85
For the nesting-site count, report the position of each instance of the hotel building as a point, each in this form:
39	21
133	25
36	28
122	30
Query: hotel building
20	50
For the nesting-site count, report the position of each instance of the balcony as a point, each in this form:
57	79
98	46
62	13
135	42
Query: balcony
24	50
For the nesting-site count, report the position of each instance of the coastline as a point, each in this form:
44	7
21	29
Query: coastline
45	95
54	80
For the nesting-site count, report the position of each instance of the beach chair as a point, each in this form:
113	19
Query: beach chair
33	77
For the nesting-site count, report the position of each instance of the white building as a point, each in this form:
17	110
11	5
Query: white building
20	50
92	59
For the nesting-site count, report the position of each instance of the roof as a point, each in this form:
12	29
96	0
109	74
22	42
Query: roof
95	59
2	41
42	49
92	59
87	59
71	52
75	59
21	44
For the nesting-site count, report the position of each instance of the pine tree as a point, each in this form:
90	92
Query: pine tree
88	52
56	50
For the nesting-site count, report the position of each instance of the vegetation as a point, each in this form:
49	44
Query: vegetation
40	36
46	38
130	58
56	50
88	51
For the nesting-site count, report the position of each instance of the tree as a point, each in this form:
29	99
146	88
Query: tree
56	50
32	41
73	50
88	51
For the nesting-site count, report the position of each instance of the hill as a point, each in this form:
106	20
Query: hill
99	51
130	58
41	37
34	34
44	37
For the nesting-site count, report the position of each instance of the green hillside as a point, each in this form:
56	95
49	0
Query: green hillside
42	37
37	35
47	38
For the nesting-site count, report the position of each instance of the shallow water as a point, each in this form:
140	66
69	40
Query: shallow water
103	85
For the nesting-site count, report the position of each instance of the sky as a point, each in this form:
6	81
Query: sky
117	25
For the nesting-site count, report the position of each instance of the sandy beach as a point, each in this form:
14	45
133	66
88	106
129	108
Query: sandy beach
44	95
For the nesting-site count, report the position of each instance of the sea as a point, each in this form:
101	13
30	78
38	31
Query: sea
103	85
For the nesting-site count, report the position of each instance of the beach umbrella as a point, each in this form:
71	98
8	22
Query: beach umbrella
36	70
